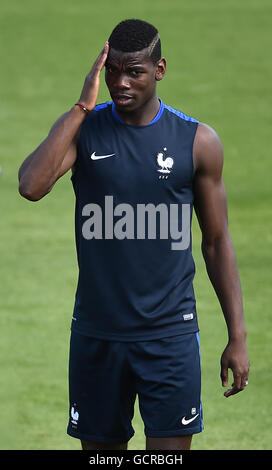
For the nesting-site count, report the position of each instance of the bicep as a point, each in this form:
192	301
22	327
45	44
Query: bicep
210	201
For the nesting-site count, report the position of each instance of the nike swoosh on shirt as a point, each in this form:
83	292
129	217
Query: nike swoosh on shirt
187	421
98	157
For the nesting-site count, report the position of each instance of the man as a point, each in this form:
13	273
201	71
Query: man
138	168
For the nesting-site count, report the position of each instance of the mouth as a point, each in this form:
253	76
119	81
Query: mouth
122	99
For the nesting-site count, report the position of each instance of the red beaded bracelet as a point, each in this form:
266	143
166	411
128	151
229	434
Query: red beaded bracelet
83	108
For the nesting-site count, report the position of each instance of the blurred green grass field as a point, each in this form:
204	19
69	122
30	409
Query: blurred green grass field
219	71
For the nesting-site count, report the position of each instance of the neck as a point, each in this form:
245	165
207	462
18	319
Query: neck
141	116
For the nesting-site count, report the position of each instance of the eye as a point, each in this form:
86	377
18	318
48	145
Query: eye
135	72
110	68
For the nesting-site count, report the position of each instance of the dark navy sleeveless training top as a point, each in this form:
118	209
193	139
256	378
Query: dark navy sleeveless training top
134	201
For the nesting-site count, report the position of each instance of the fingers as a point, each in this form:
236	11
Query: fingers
91	85
224	376
101	59
240	382
232	391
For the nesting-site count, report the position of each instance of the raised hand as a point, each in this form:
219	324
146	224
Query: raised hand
91	85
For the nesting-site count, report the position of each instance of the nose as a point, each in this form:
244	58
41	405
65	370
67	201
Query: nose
122	82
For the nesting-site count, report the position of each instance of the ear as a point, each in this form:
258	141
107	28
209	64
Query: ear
160	69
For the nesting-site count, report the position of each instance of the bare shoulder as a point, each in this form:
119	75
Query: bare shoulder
208	149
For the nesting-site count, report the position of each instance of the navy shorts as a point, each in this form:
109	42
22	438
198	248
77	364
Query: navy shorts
106	376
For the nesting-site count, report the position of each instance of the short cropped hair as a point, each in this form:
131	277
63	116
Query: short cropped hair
134	35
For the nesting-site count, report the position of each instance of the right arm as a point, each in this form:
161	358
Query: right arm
58	152
54	157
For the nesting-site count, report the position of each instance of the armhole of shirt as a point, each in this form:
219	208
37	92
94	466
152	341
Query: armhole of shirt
78	150
192	149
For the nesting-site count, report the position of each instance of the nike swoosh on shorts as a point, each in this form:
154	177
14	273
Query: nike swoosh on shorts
187	421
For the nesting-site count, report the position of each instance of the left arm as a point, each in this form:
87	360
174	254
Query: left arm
218	252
